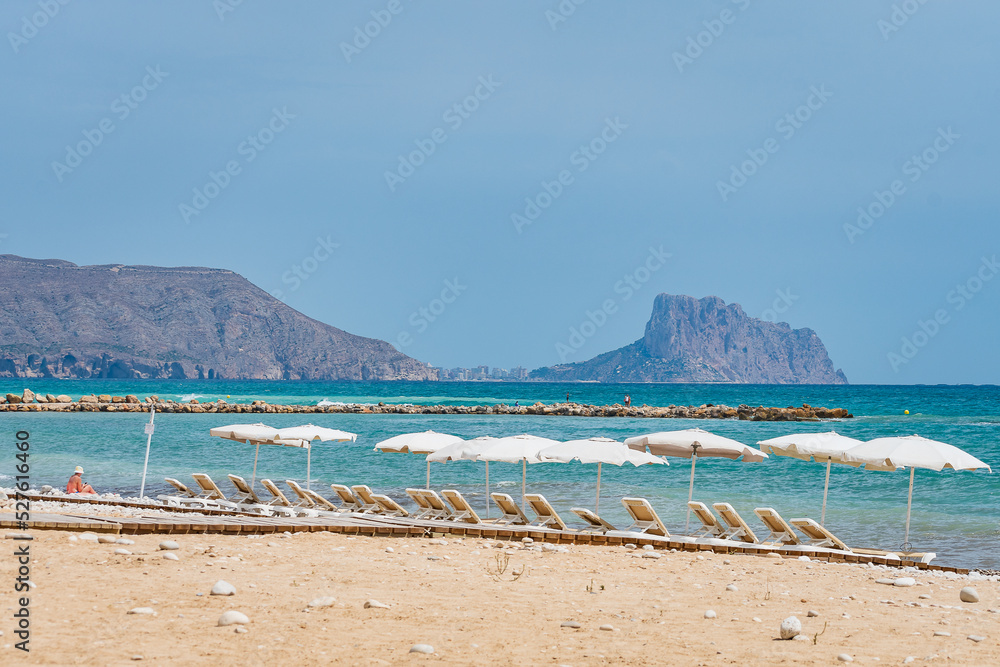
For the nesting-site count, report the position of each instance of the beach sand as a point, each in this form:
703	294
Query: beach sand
441	592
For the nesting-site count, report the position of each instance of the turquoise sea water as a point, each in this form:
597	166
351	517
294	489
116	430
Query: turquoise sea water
955	514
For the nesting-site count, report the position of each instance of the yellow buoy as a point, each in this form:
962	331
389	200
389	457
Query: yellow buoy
906	412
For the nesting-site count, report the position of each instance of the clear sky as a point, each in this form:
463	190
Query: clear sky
510	167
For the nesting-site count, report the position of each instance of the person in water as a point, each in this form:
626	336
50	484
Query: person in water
76	483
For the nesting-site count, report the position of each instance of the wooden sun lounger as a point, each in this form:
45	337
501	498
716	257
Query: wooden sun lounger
463	510
780	532
246	498
817	535
439	509
547	515
512	514
710	525
595	524
320	502
737	527
279	502
390	507
211	491
644	517
184	497
348	501
368	504
423	507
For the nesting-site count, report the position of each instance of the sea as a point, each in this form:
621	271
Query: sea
955	514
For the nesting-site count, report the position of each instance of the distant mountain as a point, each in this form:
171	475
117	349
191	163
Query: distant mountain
704	340
58	319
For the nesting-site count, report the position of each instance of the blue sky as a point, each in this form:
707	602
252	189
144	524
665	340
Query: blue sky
739	138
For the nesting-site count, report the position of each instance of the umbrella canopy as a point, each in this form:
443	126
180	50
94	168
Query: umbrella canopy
694	443
829	447
252	434
305	434
426	442
517	448
911	451
466	450
599	451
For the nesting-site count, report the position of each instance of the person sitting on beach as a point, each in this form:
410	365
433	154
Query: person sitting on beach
76	483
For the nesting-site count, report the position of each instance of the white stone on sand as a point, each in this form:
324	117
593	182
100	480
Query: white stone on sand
732	588
88	537
169	545
170	556
968	594
233	618
570	624
321	602
125	541
142	611
812	614
223	588
375	604
710	614
123	552
843	657
976	638
607	627
421	648
790	627
106	539
905	582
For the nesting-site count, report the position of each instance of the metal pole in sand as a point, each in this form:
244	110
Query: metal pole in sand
149	439
597	502
524	477
309	453
909	503
694	460
256	454
487	489
826	489
428	475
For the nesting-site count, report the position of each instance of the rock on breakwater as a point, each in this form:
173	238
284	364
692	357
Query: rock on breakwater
132	403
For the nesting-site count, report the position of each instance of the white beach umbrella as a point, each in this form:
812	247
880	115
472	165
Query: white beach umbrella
251	434
466	450
305	435
517	448
829	447
694	443
599	451
911	451
426	442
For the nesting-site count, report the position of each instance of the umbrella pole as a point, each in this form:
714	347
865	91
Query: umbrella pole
524	477
826	488
597	503
487	489
256	454
694	459
909	502
309	453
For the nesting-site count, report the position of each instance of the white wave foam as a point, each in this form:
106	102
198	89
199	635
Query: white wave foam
190	397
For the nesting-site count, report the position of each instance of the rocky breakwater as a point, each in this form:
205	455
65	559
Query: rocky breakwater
28	401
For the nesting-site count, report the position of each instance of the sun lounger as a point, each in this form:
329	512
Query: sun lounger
211	491
278	502
547	515
423	507
184	496
644	517
737	528
439	509
319	502
817	535
512	513
389	506
246	498
710	525
595	524
463	510
368	504
781	533
348	501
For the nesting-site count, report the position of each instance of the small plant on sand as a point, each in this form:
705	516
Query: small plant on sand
767	589
502	562
816	636
591	589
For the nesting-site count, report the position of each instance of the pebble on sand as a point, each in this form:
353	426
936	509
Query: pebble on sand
169	545
125	541
732	588
968	594
976	638
790	627
905	582
843	657
106	539
570	624
319	603
651	554
233	618
710	614
241	629
88	537
143	611
223	588
812	614
607	627
941	633
123	552
375	604
170	556
421	648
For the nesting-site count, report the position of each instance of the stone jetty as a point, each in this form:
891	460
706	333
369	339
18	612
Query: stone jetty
29	401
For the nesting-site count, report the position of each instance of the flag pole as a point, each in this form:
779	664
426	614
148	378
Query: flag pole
149	440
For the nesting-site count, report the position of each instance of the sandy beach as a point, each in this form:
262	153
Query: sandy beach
448	593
